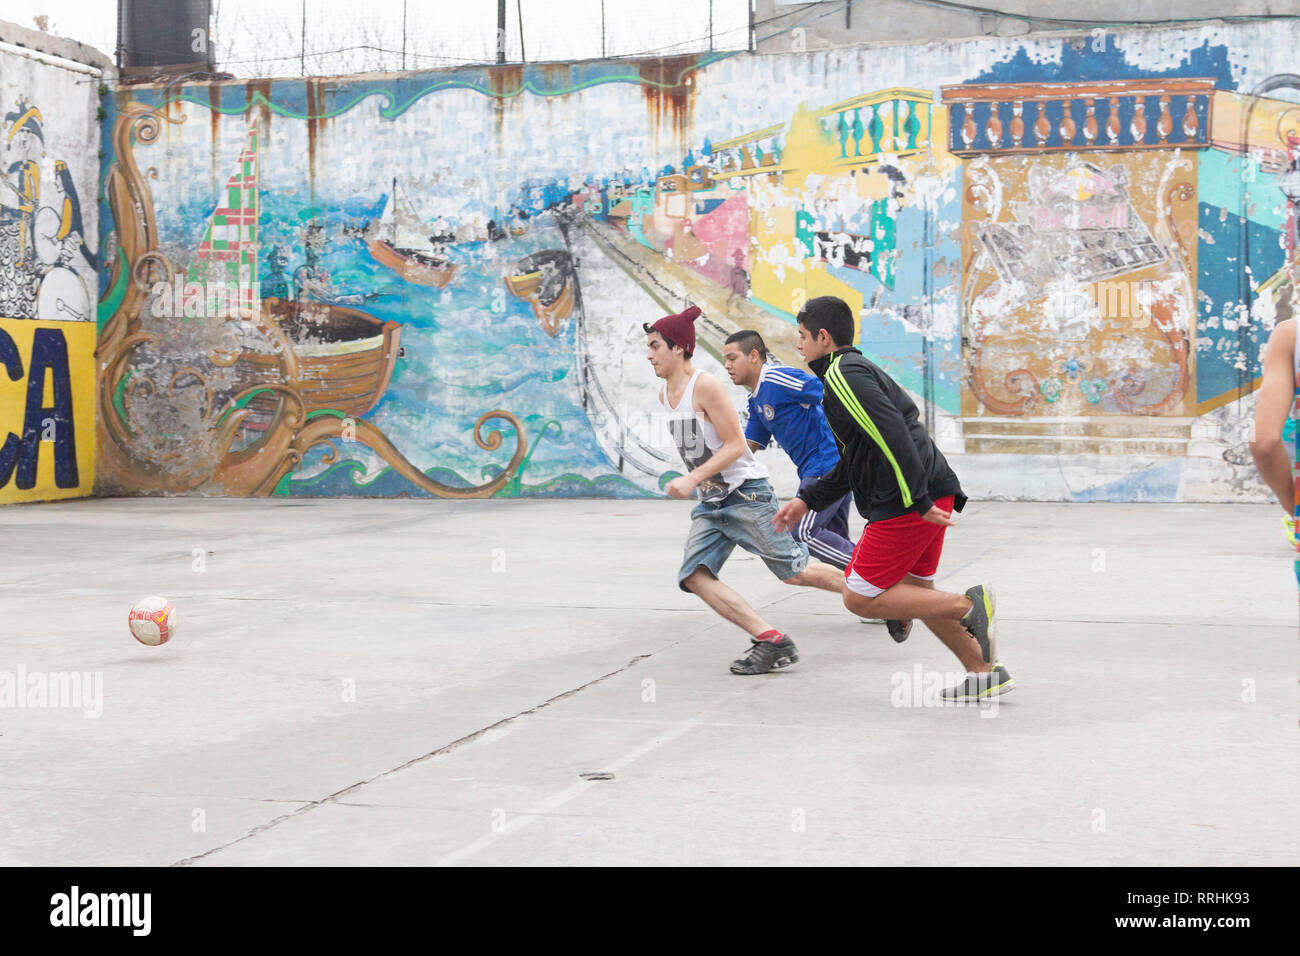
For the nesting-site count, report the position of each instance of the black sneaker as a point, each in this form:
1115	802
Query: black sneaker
766	656
899	630
980	621
977	687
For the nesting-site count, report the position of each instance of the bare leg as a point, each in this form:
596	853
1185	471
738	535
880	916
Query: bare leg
958	640
827	577
725	601
939	611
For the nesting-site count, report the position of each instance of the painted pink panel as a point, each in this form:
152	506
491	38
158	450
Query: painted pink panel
726	229
725	233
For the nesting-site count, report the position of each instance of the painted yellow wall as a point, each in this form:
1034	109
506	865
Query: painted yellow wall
80	339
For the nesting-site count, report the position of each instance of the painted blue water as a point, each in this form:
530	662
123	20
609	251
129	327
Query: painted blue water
468	349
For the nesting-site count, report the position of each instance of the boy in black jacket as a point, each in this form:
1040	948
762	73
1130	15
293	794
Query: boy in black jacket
903	486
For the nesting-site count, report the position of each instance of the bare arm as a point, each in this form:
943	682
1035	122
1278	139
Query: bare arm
712	400
716	405
1272	407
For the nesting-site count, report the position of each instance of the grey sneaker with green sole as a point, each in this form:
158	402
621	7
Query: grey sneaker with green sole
981	621
977	687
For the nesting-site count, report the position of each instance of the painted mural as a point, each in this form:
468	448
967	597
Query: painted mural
434	284
1078	286
48	280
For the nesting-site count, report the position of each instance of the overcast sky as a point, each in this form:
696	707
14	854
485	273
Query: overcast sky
264	38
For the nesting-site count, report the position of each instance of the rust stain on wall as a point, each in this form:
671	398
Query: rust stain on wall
214	122
313	128
174	113
557	75
253	88
505	83
668	88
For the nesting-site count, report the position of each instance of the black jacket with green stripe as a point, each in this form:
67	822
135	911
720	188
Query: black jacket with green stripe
887	458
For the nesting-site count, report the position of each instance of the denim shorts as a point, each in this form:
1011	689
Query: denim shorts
742	518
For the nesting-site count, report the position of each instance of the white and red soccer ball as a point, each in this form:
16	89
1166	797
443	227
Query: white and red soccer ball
153	621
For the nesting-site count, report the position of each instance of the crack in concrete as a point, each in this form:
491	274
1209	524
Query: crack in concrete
445	749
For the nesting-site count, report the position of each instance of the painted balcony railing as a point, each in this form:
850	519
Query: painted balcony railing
1038	117
855	132
862	129
750	153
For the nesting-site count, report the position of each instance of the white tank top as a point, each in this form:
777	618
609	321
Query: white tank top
698	440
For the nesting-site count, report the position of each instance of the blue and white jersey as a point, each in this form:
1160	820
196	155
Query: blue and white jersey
787	406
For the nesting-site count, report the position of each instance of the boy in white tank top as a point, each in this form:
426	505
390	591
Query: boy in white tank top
736	500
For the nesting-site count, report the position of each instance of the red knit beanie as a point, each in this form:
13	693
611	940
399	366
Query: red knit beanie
678	329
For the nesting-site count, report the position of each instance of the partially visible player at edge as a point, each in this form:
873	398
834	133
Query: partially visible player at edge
737	505
1278	398
905	489
785	403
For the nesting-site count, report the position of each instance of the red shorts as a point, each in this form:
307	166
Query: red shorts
890	550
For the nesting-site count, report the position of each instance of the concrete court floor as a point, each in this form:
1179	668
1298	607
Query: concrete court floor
424	682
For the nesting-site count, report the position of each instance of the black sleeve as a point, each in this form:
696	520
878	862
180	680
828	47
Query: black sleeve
827	489
880	420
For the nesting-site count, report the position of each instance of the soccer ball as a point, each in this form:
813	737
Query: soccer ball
153	621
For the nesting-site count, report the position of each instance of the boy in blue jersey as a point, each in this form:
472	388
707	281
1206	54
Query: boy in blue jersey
785	403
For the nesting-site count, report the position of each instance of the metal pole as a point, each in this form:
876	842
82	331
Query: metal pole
710	26
302	56
602	29
403	34
519	10
751	26
501	31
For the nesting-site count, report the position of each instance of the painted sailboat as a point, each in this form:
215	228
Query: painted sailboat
344	357
399	244
322	357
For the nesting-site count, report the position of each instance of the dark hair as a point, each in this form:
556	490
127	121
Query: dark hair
829	313
749	341
673	345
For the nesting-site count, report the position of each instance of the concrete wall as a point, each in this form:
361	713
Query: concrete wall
49	241
1049	240
781	26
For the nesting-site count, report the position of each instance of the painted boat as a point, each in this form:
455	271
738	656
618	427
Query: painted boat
412	265
399	244
345	357
546	281
524	284
552	315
